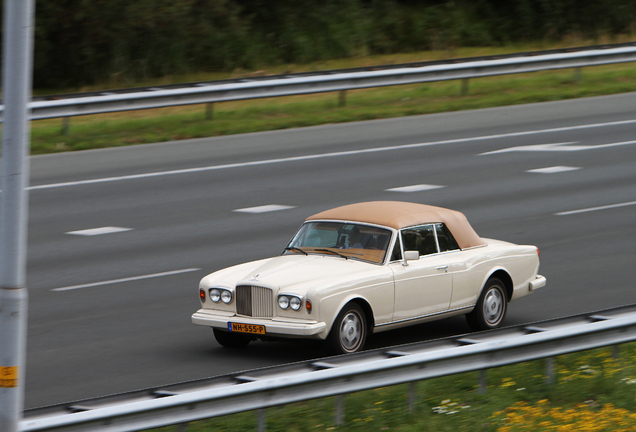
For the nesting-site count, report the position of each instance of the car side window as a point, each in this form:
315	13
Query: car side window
421	239
445	238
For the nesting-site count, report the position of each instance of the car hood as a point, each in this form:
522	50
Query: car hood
296	273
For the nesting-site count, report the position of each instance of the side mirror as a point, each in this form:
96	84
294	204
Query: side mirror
411	255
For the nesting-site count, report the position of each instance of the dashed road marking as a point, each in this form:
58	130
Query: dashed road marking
554	169
264	209
591	209
99	231
414	188
562	147
129	279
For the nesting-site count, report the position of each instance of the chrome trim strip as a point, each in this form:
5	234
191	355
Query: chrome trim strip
426	316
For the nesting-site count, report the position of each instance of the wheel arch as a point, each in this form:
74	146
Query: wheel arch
504	277
368	312
366	308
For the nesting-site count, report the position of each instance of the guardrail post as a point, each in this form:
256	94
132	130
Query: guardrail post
339	410
261	425
412	395
616	352
464	90
209	111
182	427
578	74
549	370
483	381
342	98
66	125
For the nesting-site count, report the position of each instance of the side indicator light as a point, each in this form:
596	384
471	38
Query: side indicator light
202	295
308	306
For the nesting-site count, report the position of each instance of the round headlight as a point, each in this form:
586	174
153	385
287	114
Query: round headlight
226	296
295	303
215	295
283	302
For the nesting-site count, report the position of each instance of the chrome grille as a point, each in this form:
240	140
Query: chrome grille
254	301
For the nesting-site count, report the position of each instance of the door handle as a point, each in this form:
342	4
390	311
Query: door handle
445	268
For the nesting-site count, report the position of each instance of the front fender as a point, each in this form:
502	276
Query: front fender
330	307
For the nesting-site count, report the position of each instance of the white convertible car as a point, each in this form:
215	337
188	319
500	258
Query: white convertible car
365	268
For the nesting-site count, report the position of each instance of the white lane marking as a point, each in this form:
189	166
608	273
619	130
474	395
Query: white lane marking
558	147
554	169
414	188
264	209
325	155
99	231
129	279
591	209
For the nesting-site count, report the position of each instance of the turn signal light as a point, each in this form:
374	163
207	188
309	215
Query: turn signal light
308	306
202	295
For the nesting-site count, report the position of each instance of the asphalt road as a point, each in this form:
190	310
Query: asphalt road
111	313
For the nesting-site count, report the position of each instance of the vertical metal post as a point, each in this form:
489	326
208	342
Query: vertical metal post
66	125
342	98
261	425
483	384
16	90
412	395
209	111
464	90
549	370
339	410
578	74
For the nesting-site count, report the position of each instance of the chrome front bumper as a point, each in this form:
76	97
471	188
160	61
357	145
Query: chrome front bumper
273	326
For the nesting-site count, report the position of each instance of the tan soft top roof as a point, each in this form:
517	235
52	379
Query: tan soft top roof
398	215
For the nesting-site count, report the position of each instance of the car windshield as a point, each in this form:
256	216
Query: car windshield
347	240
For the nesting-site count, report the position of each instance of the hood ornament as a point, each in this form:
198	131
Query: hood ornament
255	277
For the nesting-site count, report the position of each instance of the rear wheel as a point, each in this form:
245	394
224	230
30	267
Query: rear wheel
491	307
349	330
231	340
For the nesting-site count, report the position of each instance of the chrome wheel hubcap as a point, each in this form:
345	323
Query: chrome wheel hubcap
351	331
493	306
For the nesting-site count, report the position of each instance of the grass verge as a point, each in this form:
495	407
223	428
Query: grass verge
593	392
177	123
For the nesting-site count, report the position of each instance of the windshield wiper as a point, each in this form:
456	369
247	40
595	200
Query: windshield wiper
296	249
332	251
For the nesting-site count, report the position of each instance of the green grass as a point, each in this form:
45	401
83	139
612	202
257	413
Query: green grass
593	392
176	123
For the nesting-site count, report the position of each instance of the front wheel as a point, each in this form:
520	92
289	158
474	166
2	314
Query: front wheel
230	340
349	330
491	307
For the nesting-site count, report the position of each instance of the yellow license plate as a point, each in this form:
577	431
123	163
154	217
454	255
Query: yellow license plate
246	328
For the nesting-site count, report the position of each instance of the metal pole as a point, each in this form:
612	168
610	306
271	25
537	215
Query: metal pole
483	381
464	90
16	90
342	98
549	370
339	418
209	111
412	396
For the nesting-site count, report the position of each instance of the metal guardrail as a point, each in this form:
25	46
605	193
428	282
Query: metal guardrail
305	83
263	388
258	76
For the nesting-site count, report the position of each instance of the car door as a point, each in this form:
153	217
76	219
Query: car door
423	286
